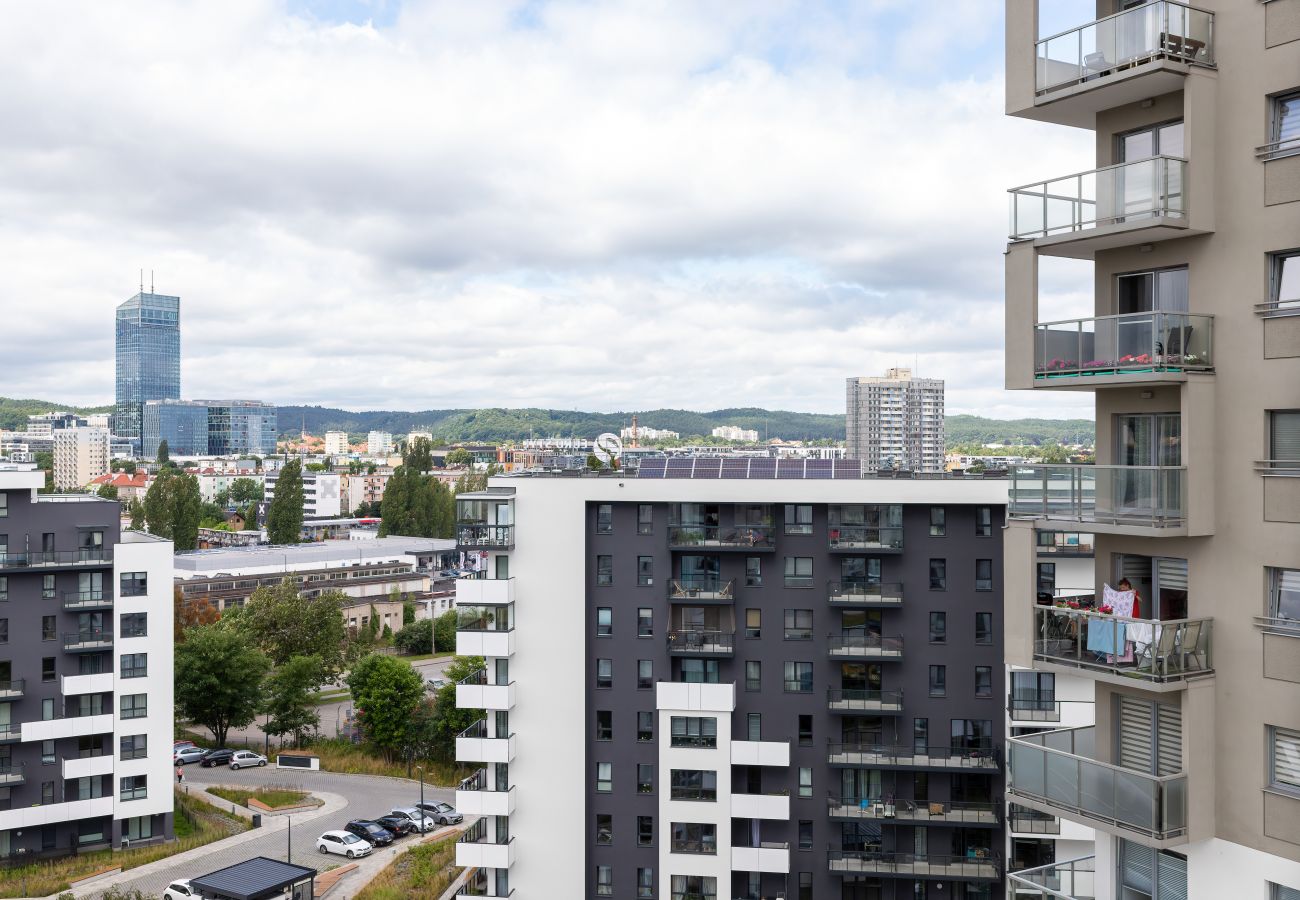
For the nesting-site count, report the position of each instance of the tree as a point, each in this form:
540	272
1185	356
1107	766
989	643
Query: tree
107	491
408	611
135	509
459	457
369	509
45	462
211	515
284	518
190	614
289	705
219	679
418	456
448	720
444	633
163	456
222	498
172	507
416	637
122	465
158	506
282	623
386	691
245	490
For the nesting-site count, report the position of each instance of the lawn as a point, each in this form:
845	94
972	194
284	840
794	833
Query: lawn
197	823
426	871
272	796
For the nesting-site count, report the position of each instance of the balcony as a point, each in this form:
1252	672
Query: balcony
1126	650
475	745
750	538
860	538
1065	543
11	732
938	758
50	813
473	642
1101	209
701	589
478	795
906	812
1137	348
768	856
11	775
76	601
1023	820
849	645
87	766
1053	772
475	691
485	591
1134	500
87	641
67	727
761	806
86	558
485	537
1073	880
692	642
12	689
1033	709
863	595
978	866
760	753
864	701
476	847
71	685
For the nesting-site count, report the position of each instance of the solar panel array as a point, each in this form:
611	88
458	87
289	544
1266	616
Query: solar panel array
757	467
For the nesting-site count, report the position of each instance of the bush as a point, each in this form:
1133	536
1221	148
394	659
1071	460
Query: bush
416	637
444	633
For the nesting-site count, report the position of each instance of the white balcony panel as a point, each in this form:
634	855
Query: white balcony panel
87	767
86	684
760	753
486	803
485	591
760	859
486	856
485	696
31	816
485	643
760	806
701	697
486	750
56	729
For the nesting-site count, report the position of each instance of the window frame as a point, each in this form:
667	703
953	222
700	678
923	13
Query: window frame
754	682
606	681
938	635
644	734
983	584
987	634
604	569
605	777
1277	734
1278	107
645	837
604	725
138	790
941	578
645	682
755	631
796	679
987	689
137	710
140	670
753	571
938	521
795	576
645	524
983	521
605	837
645	571
793	521
138	584
791	622
645	624
605	628
138	749
604	518
938	687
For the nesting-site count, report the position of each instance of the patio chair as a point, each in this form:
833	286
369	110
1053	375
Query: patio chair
1095	65
1190	645
1163	647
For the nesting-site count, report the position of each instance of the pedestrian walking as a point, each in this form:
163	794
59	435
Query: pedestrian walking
180	775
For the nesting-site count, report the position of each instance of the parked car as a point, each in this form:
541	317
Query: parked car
400	826
245	758
344	843
418	819
186	755
441	813
434	684
376	834
216	758
181	890
176	745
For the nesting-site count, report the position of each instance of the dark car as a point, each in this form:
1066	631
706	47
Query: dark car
216	758
376	834
399	826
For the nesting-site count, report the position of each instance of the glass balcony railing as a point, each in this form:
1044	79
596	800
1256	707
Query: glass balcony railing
1056	769
87	599
1134	344
864	537
979	865
1145	649
1091	52
1140	496
1072	880
1024	820
701	587
87	640
849	700
501	537
853	645
1124	193
36	559
1033	709
718	537
942	756
862	593
944	812
697	642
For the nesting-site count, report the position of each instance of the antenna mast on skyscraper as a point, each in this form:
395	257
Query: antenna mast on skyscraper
151	281
142	281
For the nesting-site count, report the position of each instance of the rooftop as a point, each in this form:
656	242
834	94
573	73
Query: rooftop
252	878
298	556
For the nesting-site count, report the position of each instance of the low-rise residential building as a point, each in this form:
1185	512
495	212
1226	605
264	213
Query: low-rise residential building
129	487
359	489
736	433
80	456
213	482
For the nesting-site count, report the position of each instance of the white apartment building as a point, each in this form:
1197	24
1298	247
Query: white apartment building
379	443
417	435
642	433
322	493
212	484
336	443
736	433
896	422
81	454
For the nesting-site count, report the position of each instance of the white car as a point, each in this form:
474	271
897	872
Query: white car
181	890
185	755
344	843
245	758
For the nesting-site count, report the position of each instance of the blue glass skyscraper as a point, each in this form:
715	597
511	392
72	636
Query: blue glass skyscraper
148	358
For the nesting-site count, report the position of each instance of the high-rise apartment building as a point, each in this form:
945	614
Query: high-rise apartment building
336	443
81	455
895	422
148	358
379	443
1191	354
209	427
743	683
85	674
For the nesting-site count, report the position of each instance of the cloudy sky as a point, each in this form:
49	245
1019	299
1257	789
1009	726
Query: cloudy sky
594	205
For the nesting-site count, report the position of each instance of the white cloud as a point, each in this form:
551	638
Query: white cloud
611	205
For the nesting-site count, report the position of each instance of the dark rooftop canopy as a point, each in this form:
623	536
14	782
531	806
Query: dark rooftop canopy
252	879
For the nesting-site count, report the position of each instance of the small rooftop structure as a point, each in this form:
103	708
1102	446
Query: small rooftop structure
258	878
320	555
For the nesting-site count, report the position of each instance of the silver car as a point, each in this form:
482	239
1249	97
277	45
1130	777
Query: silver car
417	818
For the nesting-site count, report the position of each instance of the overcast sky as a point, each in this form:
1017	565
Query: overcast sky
582	205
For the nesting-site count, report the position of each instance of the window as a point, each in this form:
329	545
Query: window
48	757
938	681
604	829
135	706
604	570
938	521
134	746
4	504
604	777
983	521
971	735
753	675
645	881
798	624
4	581
604	518
1284	594
805	731
798	519
938	628
805	782
754	726
134	787
920	736
983	628
47	709
694	887
135	665
798	571
694	784
49	628
645	778
1284	126
645	571
138	828
694	837
604	881
134	584
135	624
645	622
47	587
938	574
604	725
604	621
604	673
645	674
1047	579
645	726
700	671
1284	281
694	731
983	574
4	631
805	834
753	571
1284	436
47	792
1284	760
645	831
645	518
983	681
799	677
48	671
805	886
753	623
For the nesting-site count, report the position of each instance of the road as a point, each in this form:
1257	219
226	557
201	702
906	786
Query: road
364	796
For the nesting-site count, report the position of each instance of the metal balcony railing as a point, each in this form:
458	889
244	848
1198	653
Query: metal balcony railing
701	587
1145	649
865	646
1074	879
978	865
698	642
723	537
911	812
74	600
925	757
862	593
855	700
1131	344
864	537
1127	192
1137	496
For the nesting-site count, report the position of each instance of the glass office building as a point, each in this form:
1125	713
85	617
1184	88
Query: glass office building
209	427
148	358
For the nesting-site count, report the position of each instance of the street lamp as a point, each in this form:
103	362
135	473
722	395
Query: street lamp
420	769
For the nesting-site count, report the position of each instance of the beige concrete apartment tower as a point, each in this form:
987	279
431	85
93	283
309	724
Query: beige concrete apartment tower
1191	218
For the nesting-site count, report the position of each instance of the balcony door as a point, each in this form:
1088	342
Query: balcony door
1139	336
1143	441
1145	189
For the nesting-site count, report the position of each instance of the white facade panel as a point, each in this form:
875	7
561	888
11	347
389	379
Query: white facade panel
57	729
486	803
760	806
485	591
87	767
485	696
491	856
32	816
760	753
487	750
760	859
71	685
485	643
694	698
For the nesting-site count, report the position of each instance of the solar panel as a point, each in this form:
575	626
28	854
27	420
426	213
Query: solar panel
734	468
819	468
848	469
652	468
679	467
789	468
707	467
762	468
